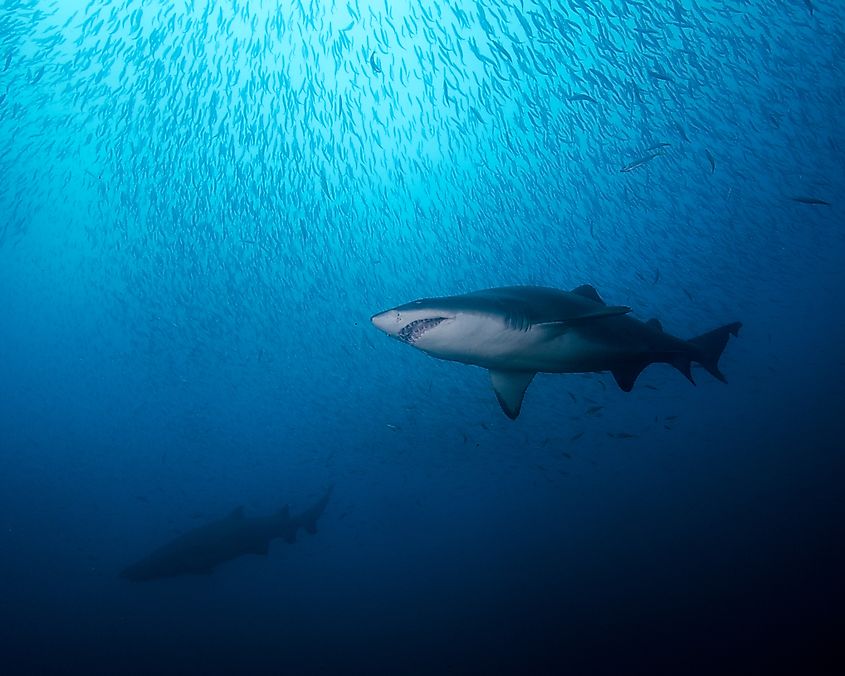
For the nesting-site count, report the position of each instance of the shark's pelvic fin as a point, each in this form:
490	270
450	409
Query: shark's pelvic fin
510	387
588	292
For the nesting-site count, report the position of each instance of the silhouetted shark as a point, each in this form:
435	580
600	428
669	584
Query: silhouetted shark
518	331
198	551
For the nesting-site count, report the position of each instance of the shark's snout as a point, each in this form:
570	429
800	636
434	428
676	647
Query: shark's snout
387	321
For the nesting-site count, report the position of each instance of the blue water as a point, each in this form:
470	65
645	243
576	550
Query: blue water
203	202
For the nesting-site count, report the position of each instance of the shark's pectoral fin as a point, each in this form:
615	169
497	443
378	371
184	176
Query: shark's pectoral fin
603	312
510	387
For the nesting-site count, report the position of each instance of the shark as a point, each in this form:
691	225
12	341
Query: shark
516	332
199	551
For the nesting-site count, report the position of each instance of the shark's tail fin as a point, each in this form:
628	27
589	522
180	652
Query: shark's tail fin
709	347
309	519
285	527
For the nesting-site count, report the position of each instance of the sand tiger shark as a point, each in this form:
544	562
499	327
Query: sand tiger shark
198	551
516	332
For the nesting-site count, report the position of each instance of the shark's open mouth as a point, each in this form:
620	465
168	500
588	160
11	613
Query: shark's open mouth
414	331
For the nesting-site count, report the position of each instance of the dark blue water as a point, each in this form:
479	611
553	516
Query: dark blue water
203	202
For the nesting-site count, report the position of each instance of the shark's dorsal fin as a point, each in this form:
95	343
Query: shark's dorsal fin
588	292
655	324
510	387
237	513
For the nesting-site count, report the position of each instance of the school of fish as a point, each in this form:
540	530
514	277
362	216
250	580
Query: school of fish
254	155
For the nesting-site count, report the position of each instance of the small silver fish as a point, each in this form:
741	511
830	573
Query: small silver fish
657	147
581	97
711	160
810	200
640	161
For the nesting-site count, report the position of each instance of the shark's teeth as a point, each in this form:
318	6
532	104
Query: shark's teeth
413	331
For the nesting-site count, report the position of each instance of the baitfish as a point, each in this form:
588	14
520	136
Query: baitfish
581	97
711	160
810	200
640	161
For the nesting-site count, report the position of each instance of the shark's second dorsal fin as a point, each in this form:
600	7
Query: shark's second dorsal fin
588	292
237	513
510	387
655	324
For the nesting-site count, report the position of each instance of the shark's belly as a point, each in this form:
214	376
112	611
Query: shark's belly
572	352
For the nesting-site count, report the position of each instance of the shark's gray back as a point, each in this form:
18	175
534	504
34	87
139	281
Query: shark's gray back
522	306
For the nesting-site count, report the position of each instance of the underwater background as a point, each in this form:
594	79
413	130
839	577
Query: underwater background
202	202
